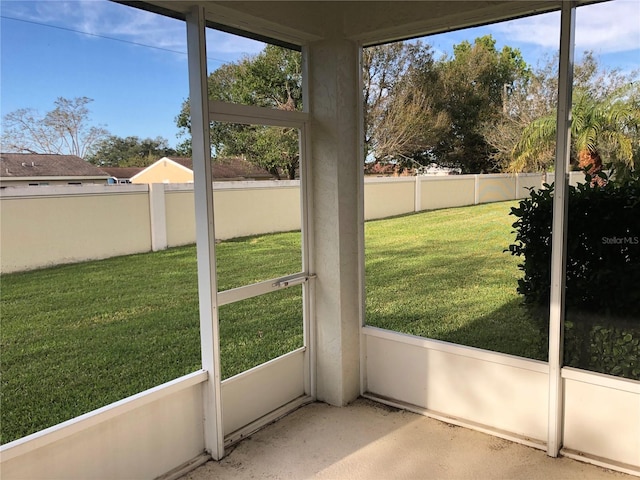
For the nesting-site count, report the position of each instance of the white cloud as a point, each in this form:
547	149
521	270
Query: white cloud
225	43
99	17
107	19
607	27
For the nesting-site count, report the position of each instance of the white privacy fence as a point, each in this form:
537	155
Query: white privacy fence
43	226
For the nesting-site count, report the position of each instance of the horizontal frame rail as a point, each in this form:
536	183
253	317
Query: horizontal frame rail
268	286
252	115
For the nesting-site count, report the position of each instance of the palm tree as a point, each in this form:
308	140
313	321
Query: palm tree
606	128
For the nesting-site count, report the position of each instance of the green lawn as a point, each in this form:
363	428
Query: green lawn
444	275
78	337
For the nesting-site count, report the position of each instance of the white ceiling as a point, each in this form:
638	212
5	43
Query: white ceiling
368	22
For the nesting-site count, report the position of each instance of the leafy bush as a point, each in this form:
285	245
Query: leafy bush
602	289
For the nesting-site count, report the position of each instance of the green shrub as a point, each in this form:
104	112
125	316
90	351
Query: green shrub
602	289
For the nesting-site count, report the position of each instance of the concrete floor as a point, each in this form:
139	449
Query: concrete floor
367	440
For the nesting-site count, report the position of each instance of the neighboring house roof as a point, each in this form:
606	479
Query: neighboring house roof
31	165
122	172
387	170
223	168
230	168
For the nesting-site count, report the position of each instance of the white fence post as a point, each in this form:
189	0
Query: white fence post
476	189
158	214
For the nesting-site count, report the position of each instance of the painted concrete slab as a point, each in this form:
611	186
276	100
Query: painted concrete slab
367	440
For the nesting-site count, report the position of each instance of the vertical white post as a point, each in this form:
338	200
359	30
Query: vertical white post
158	214
559	228
308	235
308	260
417	202
476	189
361	238
308	265
337	173
205	235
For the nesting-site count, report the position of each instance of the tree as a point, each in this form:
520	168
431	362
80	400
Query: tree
604	129
472	86
64	130
115	151
523	102
401	123
271	79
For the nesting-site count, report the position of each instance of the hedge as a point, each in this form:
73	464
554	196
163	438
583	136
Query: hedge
602	290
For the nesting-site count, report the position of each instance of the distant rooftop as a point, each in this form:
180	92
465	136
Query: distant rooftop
122	172
230	168
26	165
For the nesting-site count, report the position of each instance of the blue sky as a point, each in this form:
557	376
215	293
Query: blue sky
138	76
